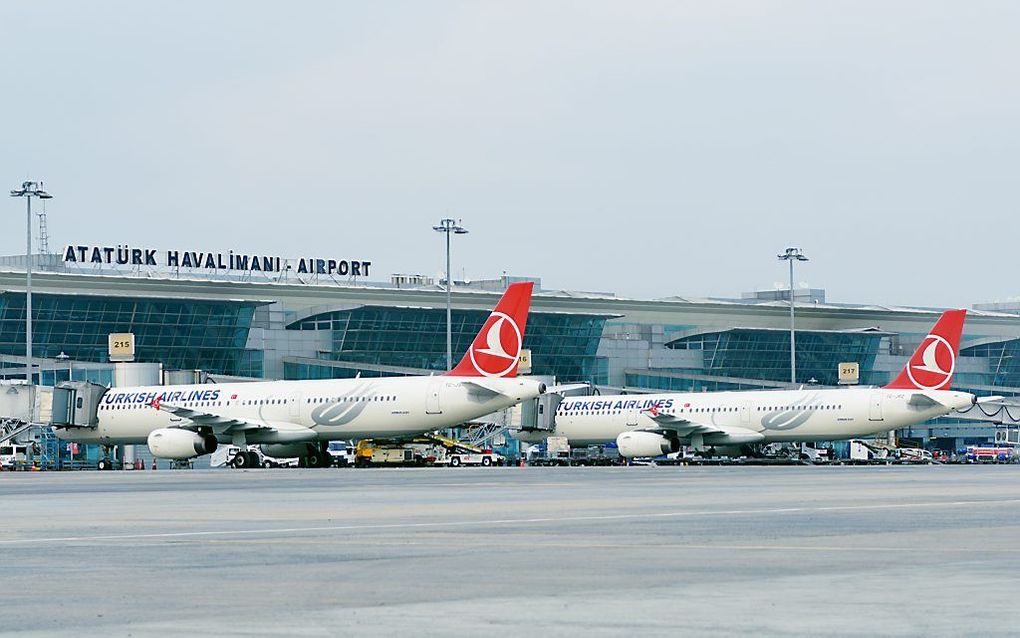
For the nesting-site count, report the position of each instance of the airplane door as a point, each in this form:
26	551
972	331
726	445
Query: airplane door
745	414
295	405
875	407
432	405
631	417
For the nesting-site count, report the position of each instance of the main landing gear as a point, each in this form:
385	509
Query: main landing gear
319	457
246	459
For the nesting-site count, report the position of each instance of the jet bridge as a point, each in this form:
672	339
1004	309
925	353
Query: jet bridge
76	404
22	405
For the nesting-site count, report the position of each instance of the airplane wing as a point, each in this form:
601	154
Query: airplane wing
219	424
666	424
682	427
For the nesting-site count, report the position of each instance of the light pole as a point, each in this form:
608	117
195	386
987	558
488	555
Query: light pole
791	255
29	190
449	226
70	366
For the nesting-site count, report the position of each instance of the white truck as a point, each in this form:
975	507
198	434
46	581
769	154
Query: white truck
224	457
342	452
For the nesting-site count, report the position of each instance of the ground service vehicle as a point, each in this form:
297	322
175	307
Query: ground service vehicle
484	458
989	454
12	455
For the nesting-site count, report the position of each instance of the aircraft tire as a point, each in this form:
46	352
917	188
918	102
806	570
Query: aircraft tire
242	461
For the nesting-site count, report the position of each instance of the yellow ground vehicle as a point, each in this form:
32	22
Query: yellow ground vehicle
368	452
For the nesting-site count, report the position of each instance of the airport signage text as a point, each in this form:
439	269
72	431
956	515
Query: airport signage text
237	261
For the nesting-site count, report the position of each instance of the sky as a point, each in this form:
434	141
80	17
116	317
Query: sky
646	148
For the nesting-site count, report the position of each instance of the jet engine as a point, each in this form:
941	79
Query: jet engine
633	444
178	443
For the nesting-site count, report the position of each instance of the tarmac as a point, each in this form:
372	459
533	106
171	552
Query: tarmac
897	550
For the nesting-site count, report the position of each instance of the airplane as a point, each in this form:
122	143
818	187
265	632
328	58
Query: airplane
299	418
654	424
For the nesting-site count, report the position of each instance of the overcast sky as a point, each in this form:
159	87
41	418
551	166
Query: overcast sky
646	148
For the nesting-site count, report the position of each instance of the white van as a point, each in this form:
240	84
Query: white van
12	455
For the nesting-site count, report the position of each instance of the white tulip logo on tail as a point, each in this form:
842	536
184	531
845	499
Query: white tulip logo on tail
938	362
502	347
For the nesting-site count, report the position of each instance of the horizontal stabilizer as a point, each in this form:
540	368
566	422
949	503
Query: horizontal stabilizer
481	387
919	400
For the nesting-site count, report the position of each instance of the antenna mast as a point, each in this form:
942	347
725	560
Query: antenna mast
44	234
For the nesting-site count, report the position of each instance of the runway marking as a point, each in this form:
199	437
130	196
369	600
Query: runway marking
506	521
537	545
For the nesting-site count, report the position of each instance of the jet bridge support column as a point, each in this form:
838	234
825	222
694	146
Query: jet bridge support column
131	375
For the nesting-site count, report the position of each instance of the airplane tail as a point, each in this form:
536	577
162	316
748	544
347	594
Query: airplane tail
496	350
932	365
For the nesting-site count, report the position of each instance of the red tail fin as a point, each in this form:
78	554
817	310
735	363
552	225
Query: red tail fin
932	365
497	348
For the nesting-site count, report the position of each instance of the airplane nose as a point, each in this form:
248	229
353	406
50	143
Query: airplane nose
541	388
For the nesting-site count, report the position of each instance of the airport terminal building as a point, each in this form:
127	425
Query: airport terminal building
317	318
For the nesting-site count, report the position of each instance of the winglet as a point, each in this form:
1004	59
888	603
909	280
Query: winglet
932	365
496	350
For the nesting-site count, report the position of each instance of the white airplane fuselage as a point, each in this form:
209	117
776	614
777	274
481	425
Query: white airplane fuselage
777	415
305	411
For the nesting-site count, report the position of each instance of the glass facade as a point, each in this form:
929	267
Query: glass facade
750	353
561	344
1003	362
307	370
671	382
180	333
